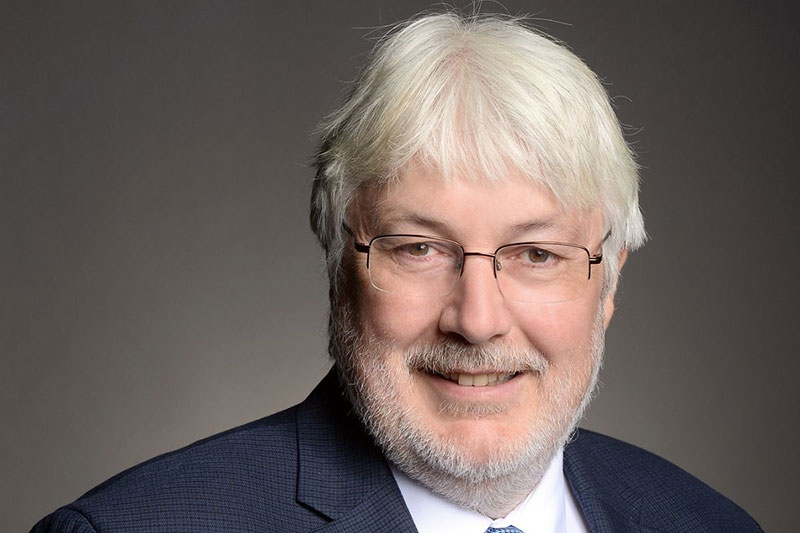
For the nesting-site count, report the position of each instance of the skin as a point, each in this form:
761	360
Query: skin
481	217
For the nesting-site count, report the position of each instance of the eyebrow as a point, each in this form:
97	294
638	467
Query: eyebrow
441	228
399	218
536	225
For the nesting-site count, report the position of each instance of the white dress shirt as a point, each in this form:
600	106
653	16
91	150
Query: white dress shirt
551	507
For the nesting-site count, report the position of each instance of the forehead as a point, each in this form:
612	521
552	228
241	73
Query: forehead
510	208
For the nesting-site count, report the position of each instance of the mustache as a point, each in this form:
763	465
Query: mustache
448	355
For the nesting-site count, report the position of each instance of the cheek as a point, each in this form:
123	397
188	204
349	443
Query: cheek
399	321
559	331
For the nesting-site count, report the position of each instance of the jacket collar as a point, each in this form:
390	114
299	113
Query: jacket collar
341	474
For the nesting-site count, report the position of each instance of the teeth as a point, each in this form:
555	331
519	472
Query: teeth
479	380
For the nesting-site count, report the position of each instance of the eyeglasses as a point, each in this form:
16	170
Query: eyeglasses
426	267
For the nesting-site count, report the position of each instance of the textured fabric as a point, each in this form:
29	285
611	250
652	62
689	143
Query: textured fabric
624	488
509	529
312	468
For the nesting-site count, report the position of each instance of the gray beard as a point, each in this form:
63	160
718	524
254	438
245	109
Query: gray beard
494	485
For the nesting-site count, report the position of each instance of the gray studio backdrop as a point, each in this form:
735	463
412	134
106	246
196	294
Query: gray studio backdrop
160	282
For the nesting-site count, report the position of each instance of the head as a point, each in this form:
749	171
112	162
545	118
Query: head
481	131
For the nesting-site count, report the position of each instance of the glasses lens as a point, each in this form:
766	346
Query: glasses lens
414	266
542	273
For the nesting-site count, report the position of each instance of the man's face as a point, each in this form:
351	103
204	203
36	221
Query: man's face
552	350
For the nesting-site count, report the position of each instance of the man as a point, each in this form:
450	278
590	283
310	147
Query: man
476	200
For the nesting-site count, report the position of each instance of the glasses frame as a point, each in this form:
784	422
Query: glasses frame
364	248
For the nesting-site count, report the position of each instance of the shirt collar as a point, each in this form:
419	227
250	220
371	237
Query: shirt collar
542	510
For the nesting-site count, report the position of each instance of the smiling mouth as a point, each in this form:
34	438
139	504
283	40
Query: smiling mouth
478	380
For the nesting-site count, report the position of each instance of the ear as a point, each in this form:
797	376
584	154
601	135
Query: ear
608	304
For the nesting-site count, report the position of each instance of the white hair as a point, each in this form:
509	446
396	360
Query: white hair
477	97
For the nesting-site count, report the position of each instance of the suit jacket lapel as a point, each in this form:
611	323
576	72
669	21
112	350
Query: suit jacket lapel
341	474
607	503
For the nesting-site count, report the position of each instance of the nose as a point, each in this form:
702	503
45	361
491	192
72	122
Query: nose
476	310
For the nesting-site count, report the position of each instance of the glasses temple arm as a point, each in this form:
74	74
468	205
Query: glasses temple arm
359	246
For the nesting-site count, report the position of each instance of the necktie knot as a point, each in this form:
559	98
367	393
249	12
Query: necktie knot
508	529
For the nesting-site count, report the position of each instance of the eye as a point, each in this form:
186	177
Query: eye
417	249
538	255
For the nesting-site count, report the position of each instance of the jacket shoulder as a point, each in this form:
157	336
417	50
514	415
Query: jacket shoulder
64	519
227	482
645	488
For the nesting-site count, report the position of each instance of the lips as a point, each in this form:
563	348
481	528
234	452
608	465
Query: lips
465	365
478	380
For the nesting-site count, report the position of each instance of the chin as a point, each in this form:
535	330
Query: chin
479	440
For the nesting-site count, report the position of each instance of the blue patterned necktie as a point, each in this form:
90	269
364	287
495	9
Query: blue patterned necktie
509	529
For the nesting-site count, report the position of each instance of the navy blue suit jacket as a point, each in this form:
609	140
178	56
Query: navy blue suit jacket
312	468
